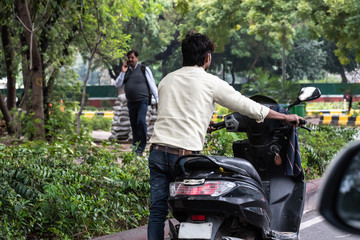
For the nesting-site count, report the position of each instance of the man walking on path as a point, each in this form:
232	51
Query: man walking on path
139	86
187	100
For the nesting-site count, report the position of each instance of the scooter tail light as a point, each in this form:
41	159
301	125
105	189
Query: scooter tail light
198	217
209	188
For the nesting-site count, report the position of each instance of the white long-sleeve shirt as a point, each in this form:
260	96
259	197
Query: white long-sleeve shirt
187	99
119	82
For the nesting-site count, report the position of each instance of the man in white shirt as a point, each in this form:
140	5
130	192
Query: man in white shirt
187	99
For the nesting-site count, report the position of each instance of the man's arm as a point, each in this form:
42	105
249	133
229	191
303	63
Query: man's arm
226	96
151	82
120	79
291	119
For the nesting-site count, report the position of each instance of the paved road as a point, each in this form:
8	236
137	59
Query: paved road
313	226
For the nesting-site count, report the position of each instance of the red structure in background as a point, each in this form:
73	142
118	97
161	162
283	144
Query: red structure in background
336	98
98	103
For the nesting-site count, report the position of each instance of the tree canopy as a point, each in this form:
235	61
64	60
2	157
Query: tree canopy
41	39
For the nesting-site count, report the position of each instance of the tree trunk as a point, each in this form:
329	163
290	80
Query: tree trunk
47	93
163	68
11	80
232	71
343	75
35	69
7	116
283	63
115	69
9	63
83	94
253	64
25	56
164	56
223	71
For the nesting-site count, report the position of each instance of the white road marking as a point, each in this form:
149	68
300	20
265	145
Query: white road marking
311	222
343	236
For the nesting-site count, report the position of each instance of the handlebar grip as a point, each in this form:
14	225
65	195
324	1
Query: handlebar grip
302	122
217	126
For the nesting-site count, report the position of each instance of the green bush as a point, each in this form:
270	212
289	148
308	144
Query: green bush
106	105
96	123
220	142
319	146
61	121
70	189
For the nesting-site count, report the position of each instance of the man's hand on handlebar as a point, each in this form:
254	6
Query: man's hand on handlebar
211	127
293	120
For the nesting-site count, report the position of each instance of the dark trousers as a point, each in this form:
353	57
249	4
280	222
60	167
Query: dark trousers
161	165
137	114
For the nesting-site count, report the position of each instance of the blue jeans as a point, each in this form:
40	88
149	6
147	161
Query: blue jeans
137	114
161	165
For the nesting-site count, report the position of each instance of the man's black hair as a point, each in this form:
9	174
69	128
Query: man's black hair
132	51
194	48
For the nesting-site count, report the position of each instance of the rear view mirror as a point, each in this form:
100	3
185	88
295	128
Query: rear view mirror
309	93
340	196
306	94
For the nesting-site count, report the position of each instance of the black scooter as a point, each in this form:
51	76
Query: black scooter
257	194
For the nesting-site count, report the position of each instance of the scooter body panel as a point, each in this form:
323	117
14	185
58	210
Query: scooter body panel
245	201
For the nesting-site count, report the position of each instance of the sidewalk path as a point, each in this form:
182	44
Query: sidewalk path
100	135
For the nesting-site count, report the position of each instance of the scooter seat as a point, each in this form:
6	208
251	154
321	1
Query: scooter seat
236	165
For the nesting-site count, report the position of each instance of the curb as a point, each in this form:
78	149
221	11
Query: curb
312	192
108	114
340	120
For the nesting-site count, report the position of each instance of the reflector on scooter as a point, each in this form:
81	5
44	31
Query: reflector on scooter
211	188
198	217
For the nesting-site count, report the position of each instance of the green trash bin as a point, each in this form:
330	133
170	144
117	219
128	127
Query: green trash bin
298	110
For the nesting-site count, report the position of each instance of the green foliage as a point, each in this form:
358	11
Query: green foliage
306	60
67	87
221	111
106	104
27	124
274	20
70	189
220	142
272	86
320	146
324	105
337	21
96	123
60	122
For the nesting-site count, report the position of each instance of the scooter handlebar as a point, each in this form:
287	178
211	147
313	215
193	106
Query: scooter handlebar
216	126
302	122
